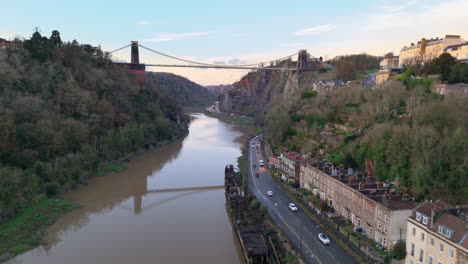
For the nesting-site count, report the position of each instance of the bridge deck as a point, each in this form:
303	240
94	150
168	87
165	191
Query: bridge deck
223	67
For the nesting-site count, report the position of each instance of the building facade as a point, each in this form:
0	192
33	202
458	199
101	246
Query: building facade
327	86
427	49
290	166
371	206
459	51
437	234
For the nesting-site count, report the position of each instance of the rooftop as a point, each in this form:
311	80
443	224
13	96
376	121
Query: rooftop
366	185
447	220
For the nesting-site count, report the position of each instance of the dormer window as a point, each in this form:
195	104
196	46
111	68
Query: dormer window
418	217
425	219
445	231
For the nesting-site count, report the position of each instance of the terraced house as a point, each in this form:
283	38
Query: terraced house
428	49
437	234
372	207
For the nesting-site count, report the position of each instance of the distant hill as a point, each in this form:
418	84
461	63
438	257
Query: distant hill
182	89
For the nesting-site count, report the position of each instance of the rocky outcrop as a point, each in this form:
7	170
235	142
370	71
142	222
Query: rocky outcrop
254	93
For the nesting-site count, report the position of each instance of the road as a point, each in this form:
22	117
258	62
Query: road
294	224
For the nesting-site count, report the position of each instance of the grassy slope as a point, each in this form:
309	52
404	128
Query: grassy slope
25	230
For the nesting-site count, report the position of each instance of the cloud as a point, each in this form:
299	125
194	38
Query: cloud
314	30
168	37
219	62
143	22
434	18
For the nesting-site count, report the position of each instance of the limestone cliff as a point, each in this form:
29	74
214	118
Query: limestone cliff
255	92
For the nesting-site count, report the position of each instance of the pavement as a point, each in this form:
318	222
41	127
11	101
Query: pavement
296	225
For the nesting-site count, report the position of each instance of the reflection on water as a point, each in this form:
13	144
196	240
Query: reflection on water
167	207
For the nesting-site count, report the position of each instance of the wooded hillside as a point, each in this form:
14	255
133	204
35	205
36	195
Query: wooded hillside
65	108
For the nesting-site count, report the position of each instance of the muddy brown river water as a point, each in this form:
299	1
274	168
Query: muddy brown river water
136	216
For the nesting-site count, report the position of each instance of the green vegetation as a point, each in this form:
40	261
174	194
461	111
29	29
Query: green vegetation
351	66
255	204
411	135
241	164
187	92
66	109
105	169
290	259
399	250
308	94
25	230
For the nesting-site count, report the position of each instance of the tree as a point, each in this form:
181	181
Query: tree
459	73
55	39
442	65
346	70
399	251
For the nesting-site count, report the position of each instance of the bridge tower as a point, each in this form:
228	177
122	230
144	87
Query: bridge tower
135	66
302	59
135	59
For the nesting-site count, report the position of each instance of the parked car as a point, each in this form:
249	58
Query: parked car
324	239
254	165
270	193
292	207
257	174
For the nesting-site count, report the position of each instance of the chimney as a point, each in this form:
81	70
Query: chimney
362	185
350	180
350	171
423	47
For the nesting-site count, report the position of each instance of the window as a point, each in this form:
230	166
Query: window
441	248
386	218
384	242
418	217
422	236
370	230
421	255
380	214
414	231
379	225
424	220
430	260
412	249
385	229
432	242
451	253
445	231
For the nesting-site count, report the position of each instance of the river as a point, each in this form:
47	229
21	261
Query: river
135	217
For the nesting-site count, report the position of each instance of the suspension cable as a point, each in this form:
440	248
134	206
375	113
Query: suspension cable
120	48
210	64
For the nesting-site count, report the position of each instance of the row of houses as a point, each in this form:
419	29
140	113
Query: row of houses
375	209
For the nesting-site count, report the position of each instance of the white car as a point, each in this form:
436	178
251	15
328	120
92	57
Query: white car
270	193
324	239
293	207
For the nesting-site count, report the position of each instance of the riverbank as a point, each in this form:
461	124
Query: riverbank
26	230
244	121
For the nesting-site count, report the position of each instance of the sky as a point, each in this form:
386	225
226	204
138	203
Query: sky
237	31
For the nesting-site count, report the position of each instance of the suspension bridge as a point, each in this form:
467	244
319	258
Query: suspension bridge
302	64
